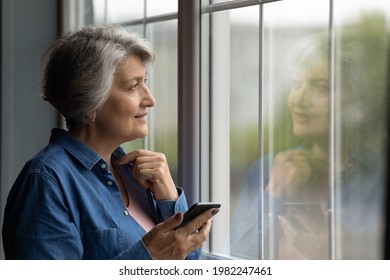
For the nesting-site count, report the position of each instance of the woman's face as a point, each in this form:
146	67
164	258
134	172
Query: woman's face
124	115
309	102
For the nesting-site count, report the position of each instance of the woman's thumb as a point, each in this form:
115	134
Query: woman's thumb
173	222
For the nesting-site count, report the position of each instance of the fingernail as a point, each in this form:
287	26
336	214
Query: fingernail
215	211
177	216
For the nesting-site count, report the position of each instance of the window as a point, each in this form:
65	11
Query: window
292	120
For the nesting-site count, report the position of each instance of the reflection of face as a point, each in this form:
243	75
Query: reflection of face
124	115
309	102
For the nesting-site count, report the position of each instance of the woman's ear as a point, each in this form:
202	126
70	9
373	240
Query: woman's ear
92	117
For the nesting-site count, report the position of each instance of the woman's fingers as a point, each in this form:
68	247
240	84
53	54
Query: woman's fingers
295	172
198	222
152	172
169	241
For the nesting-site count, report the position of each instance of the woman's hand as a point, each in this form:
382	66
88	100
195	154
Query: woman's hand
168	241
299	175
152	172
305	235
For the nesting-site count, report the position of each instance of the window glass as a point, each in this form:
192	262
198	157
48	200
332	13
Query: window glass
117	11
265	194
140	29
360	110
278	188
318	184
244	105
233	64
163	84
158	7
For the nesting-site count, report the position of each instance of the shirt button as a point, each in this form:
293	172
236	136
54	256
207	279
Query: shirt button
109	183
103	166
126	213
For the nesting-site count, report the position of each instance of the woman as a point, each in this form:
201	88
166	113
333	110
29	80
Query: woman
82	197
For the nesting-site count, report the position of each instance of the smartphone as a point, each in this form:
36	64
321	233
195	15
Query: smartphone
197	209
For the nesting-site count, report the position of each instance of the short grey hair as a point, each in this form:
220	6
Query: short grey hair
79	68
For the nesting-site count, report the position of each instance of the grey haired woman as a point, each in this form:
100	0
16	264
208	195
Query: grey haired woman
82	196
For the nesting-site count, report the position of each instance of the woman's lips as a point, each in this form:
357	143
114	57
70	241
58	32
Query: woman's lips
301	116
142	117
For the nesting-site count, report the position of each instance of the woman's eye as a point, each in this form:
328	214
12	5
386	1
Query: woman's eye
321	87
295	83
133	87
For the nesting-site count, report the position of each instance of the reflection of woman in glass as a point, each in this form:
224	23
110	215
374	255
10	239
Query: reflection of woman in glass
300	175
295	201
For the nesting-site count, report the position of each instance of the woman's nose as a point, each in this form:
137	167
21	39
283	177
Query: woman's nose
300	94
149	100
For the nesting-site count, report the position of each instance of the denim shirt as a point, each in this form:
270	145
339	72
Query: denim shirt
65	204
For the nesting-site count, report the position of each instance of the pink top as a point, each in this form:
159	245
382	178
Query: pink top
136	211
138	206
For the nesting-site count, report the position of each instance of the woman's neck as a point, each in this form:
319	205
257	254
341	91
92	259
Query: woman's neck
321	149
89	135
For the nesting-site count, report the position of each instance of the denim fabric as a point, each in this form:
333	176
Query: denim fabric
65	204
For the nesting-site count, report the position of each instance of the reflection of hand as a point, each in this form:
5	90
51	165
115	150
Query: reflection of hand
168	241
152	172
297	174
307	235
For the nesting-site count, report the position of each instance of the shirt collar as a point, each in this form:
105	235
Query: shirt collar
74	146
